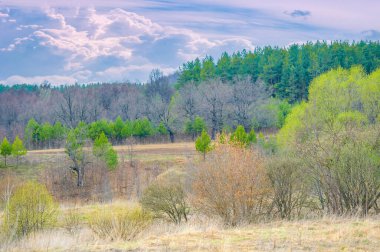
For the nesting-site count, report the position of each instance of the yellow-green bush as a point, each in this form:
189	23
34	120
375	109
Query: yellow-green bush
119	223
30	208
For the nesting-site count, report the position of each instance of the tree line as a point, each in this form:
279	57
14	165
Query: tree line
254	89
287	71
43	115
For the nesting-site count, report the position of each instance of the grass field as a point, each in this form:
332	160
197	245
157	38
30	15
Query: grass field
326	234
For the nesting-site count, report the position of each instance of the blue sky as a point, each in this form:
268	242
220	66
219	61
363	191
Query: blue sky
66	41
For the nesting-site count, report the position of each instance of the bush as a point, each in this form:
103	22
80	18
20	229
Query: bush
166	197
31	208
290	186
233	185
119	223
72	221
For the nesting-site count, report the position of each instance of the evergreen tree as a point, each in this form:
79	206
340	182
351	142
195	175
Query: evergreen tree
18	149
5	150
203	144
117	129
101	146
104	151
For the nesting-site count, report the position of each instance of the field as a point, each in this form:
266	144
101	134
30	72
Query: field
327	234
200	233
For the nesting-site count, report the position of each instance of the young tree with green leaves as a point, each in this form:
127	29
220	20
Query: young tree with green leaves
241	138
18	149
32	133
103	150
5	150
203	144
101	145
117	129
75	142
195	127
111	159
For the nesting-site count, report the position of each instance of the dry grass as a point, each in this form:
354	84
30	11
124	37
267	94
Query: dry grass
174	148
326	234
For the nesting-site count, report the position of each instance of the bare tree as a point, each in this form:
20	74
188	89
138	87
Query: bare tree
246	95
73	106
215	100
188	101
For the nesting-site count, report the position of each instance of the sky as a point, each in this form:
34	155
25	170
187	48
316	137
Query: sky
86	41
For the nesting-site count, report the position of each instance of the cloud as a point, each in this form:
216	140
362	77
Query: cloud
96	40
54	79
4	15
33	27
112	45
298	13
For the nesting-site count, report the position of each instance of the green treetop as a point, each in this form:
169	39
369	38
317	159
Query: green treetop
203	143
5	149
18	148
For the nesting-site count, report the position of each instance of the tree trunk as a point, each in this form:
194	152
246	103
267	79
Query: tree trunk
80	173
171	135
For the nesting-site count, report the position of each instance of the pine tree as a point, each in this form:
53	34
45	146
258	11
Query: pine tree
103	150
203	144
101	146
18	149
239	137
5	150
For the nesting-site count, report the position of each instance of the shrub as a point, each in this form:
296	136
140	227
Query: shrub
233	185
31	208
166	197
119	223
290	185
72	221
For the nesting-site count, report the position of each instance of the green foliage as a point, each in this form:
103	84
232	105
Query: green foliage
241	138
111	159
18	148
96	128
117	129
31	208
119	223
142	128
336	133
127	130
75	141
36	134
59	131
32	132
284	109
5	149
46	132
103	150
339	98
74	144
287	71
203	143
208	68
162	129
196	126
101	146
251	137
